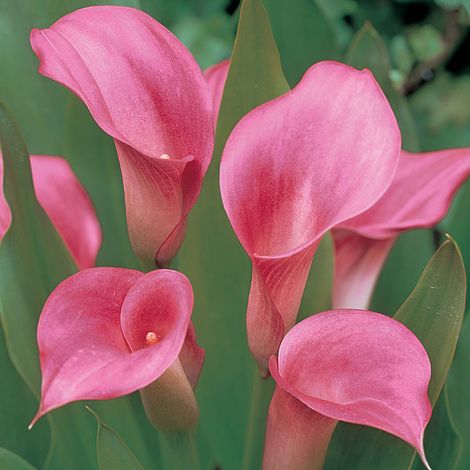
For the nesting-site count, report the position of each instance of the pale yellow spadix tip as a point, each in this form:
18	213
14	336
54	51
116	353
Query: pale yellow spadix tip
151	338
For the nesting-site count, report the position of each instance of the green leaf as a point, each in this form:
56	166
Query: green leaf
214	260
368	50
442	442
11	461
319	288
113	453
17	406
303	34
402	269
458	385
93	157
33	258
434	312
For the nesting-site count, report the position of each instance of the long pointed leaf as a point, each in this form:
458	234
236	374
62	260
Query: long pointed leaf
11	461
112	452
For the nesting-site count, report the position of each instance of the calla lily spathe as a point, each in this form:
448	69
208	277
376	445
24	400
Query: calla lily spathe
419	197
67	205
144	89
309	160
345	365
107	332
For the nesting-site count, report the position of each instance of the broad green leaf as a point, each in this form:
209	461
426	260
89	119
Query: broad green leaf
435	309
442	442
303	34
112	452
458	385
402	269
368	50
209	39
214	260
318	291
11	461
33	258
93	157
434	312
17	406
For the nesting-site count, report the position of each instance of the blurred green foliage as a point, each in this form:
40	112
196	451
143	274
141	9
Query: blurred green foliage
418	50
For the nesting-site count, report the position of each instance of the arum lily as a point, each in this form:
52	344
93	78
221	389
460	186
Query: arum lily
345	365
144	89
419	197
294	168
67	205
107	332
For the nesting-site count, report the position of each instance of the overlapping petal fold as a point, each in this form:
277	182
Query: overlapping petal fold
67	205
358	263
361	367
419	197
143	88
301	164
215	77
93	333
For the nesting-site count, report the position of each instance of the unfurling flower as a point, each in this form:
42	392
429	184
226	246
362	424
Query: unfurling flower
419	197
144	89
345	365
294	168
107	332
67	205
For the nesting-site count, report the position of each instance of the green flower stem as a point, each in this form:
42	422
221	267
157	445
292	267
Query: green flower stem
179	451
262	391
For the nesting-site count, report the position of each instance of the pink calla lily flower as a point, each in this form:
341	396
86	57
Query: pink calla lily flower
345	365
144	89
107	332
419	197
294	168
67	205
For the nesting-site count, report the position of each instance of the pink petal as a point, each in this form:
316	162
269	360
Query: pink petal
419	196
302	163
66	203
83	351
360	367
142	87
215	77
358	263
192	357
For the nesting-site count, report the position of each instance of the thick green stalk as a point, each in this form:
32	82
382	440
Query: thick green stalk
179	451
